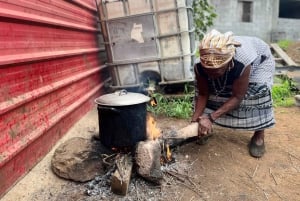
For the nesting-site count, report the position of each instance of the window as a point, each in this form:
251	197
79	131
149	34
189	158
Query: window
289	9
246	11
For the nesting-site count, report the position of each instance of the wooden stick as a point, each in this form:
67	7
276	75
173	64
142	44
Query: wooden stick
257	186
106	157
290	156
231	155
266	195
186	178
273	176
192	198
176	176
181	181
294	156
255	171
276	193
194	162
196	191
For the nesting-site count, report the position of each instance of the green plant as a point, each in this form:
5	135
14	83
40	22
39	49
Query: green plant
173	106
182	106
203	15
282	93
284	44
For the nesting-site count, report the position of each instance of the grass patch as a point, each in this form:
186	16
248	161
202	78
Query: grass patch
283	92
178	106
181	106
284	44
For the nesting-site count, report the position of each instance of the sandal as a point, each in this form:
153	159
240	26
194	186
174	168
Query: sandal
255	150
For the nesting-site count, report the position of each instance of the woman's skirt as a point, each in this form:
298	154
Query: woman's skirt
255	112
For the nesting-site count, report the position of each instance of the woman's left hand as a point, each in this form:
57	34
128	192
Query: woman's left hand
205	126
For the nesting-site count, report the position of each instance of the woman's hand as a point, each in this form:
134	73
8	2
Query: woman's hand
205	126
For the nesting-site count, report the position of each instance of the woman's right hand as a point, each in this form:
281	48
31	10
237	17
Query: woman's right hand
205	126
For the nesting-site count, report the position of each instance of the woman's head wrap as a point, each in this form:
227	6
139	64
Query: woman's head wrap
216	49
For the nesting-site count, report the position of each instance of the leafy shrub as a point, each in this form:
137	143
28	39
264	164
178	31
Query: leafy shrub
178	106
204	16
283	93
284	44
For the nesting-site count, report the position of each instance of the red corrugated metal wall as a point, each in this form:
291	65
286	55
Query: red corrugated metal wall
51	70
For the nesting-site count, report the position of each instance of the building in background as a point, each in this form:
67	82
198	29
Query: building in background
271	20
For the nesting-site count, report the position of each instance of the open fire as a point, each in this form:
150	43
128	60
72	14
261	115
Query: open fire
148	156
154	133
166	156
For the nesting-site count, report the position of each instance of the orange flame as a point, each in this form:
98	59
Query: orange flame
153	102
166	156
169	154
152	131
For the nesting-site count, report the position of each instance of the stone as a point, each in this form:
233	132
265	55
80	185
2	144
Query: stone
78	159
297	100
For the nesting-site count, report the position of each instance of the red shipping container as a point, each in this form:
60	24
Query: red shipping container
51	70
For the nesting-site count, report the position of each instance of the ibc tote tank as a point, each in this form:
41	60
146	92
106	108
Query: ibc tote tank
148	39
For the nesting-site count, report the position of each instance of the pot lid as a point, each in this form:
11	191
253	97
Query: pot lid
122	98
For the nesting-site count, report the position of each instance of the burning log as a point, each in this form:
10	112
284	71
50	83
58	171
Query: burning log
187	133
121	177
173	138
149	154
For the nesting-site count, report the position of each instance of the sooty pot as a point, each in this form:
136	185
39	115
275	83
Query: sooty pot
122	118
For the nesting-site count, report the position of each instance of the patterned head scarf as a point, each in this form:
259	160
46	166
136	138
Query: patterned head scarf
216	49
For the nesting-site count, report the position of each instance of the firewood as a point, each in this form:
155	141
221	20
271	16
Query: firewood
121	178
189	131
185	134
147	158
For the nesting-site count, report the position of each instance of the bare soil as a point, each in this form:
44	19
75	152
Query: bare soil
294	52
222	169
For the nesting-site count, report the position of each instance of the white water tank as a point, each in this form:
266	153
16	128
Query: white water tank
143	36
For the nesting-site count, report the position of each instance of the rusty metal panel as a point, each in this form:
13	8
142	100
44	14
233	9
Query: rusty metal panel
51	70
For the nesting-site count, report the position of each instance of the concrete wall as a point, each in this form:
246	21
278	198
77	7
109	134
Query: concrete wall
264	17
286	29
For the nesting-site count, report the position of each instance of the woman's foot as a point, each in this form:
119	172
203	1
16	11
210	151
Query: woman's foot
257	144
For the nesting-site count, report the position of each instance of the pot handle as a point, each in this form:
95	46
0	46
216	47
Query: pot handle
121	92
109	109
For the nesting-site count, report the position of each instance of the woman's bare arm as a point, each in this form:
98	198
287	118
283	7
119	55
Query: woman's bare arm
202	97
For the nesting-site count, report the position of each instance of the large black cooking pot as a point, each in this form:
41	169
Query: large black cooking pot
122	118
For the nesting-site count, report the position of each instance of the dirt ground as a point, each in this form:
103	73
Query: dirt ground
219	170
294	52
